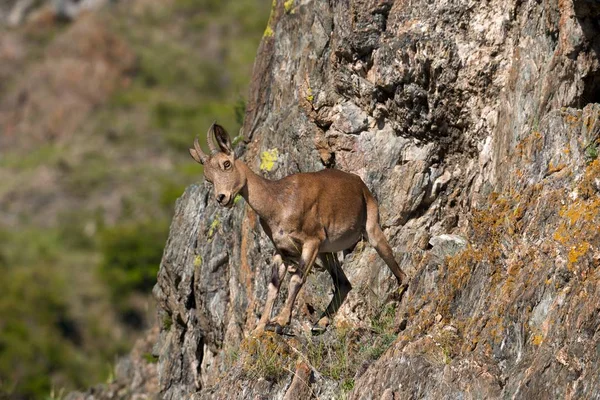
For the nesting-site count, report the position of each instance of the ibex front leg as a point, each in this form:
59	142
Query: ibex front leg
309	254
277	275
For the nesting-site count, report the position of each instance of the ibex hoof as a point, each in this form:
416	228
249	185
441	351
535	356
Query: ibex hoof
278	329
402	289
318	330
274	327
402	325
399	293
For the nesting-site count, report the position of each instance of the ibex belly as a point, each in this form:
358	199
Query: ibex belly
343	224
289	244
333	245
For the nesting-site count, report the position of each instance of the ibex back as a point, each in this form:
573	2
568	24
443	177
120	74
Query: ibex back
306	215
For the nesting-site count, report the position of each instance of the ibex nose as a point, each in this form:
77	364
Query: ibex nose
220	198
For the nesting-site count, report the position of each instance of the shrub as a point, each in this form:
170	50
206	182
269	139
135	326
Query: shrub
131	254
37	333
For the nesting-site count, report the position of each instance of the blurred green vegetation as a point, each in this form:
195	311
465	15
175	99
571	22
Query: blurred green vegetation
52	309
77	257
131	256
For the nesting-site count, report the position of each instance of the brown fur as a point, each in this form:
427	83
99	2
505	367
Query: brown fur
305	215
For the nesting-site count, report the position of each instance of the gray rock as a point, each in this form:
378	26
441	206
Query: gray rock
447	245
349	118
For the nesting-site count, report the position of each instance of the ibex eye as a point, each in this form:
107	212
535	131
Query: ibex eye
227	165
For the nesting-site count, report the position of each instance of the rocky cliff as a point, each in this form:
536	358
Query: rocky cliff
474	123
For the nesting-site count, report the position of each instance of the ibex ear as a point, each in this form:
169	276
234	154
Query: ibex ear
222	138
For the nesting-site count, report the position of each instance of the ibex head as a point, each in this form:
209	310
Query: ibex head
220	167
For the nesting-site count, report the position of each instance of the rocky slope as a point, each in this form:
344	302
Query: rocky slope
475	125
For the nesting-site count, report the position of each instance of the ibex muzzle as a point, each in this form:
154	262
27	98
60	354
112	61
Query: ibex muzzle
306	215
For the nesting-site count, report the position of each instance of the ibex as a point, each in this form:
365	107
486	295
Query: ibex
306	215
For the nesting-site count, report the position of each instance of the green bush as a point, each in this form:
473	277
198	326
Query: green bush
131	254
46	340
37	334
96	172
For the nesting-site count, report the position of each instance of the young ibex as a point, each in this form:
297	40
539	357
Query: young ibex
306	215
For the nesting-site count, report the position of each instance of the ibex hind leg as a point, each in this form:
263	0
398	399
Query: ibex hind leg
378	240
341	289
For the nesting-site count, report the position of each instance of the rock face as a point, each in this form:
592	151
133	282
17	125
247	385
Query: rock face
475	125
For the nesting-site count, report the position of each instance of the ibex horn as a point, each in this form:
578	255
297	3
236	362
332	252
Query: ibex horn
198	149
210	138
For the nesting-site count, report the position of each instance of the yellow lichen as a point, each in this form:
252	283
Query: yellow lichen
268	159
578	228
268	31
511	263
589	184
552	169
577	252
573	119
214	225
309	95
288	6
537	340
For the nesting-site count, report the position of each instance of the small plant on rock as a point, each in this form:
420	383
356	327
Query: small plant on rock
591	152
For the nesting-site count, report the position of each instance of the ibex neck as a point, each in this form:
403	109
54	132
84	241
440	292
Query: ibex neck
259	192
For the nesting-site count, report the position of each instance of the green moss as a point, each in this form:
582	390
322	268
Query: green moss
150	358
348	385
167	322
384	321
591	152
